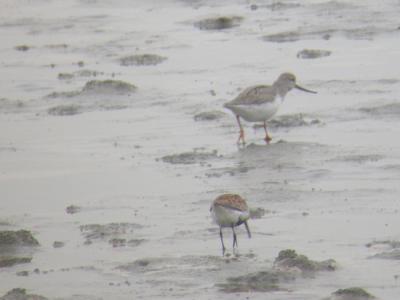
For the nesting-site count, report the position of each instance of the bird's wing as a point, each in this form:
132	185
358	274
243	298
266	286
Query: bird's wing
254	95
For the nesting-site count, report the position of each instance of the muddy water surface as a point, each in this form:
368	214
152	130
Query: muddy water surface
114	142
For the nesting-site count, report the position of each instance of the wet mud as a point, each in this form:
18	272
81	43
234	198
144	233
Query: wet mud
114	142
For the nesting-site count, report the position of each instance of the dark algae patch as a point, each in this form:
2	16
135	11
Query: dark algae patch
11	244
192	157
289	260
218	23
212	115
264	281
394	254
9	261
287	267
295	120
108	86
64	110
313	53
22	48
352	293
114	233
21	294
17	238
142	60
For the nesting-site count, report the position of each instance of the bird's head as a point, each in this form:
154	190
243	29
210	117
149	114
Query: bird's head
286	82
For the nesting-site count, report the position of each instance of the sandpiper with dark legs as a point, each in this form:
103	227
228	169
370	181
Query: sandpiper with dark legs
260	103
230	210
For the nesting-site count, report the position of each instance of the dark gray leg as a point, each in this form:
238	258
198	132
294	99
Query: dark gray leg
222	241
234	237
247	228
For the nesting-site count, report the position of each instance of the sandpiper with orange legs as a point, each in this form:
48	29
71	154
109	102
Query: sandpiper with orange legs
230	210
260	103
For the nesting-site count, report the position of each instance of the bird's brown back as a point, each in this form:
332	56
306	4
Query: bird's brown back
231	201
254	95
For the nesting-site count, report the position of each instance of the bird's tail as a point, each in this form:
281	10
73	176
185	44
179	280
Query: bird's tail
247	228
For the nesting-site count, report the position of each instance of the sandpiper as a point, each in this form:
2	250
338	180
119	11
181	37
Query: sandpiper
260	103
230	210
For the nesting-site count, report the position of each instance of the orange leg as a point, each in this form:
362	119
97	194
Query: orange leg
241	133
267	137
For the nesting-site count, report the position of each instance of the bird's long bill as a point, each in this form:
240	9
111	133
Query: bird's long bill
248	229
304	90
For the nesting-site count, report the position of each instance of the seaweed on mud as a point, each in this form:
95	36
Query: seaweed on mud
65	76
120	242
64	110
359	158
18	238
287	267
390	243
313	53
9	261
394	255
283	37
218	23
263	281
15	246
142	60
289	260
352	293
108	86
69	94
280	5
212	115
73	209
190	157
295	120
21	294
58	244
391	109
7	105
22	48
92	87
105	231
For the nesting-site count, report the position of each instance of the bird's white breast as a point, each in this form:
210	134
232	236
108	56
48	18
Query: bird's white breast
226	217
259	112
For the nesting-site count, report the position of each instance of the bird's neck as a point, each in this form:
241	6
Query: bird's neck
281	91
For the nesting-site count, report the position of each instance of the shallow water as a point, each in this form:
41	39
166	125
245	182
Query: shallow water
143	169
